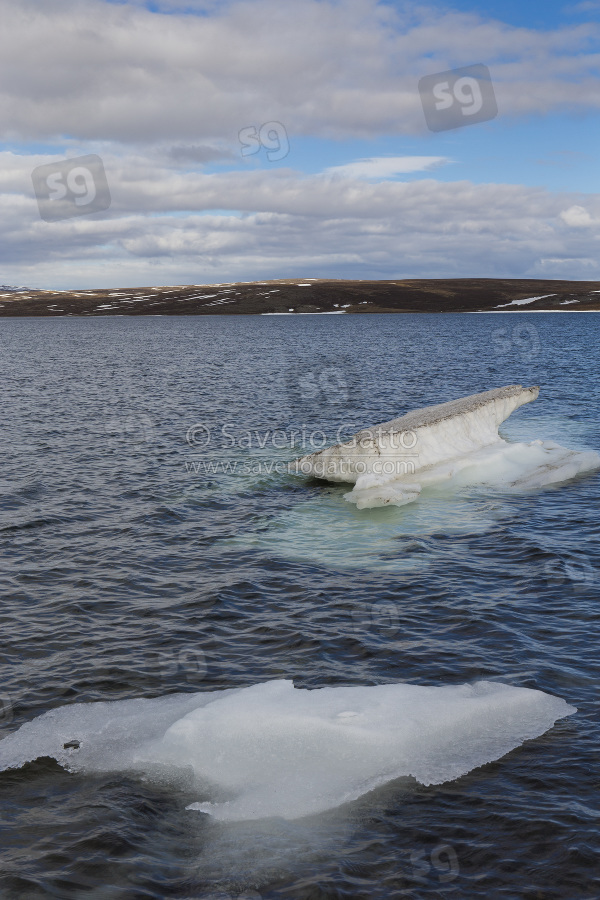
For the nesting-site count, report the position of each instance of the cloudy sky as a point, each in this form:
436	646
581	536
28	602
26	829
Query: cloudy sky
258	139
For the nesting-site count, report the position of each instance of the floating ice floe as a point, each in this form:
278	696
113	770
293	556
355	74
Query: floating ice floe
274	750
455	443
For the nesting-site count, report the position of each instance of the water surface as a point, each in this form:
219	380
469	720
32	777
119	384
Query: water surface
135	565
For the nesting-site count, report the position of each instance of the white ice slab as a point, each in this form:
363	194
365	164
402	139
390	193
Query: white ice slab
451	442
274	750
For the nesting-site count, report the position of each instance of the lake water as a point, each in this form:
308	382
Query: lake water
152	544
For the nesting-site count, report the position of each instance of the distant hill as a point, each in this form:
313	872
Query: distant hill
311	295
8	288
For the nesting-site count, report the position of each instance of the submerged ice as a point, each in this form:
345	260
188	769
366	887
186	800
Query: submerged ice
276	750
455	443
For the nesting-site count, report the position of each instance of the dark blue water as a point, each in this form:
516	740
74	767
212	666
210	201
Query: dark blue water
135	565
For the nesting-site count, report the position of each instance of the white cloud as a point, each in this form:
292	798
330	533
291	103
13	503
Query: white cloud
159	96
102	71
287	224
577	217
584	7
387	166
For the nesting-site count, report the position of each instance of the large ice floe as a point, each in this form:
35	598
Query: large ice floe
454	442
275	750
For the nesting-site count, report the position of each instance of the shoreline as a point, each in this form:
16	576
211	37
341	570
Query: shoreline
483	312
289	297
